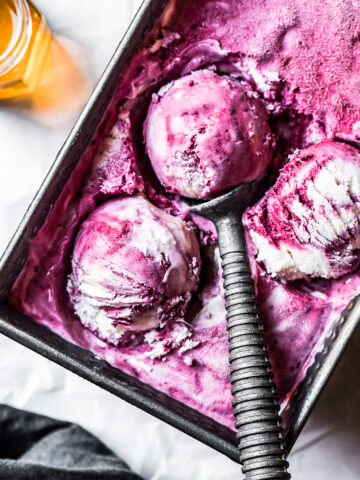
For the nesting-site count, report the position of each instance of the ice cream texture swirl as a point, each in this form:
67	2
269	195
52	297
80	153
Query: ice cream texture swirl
308	224
207	133
133	268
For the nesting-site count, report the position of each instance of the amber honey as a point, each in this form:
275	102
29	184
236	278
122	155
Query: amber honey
24	41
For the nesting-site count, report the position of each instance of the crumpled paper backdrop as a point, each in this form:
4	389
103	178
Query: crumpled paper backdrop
30	137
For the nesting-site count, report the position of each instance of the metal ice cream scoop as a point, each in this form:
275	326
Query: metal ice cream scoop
259	432
205	132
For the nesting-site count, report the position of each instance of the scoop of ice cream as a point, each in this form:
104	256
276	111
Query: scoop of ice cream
133	268
308	223
206	134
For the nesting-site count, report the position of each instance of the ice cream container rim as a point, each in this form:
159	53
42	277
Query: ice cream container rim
38	338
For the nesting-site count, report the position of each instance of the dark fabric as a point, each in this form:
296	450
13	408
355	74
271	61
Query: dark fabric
33	447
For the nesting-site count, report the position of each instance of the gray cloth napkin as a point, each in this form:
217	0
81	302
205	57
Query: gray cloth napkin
33	447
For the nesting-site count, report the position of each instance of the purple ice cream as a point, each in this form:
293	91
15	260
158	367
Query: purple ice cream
308	224
134	267
206	134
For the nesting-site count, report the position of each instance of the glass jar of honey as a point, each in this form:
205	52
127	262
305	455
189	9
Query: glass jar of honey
24	41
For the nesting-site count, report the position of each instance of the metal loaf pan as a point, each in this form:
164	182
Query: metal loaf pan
84	363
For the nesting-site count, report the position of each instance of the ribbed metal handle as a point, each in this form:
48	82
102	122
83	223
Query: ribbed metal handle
260	436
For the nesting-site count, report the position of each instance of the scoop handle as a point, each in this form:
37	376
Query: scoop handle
259	432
